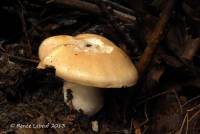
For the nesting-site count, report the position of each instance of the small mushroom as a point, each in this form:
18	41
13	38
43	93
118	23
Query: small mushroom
88	63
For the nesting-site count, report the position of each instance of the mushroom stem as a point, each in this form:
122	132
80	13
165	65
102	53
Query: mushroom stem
88	99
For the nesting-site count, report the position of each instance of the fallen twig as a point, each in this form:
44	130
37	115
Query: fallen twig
23	59
154	37
136	127
93	8
27	43
191	48
119	7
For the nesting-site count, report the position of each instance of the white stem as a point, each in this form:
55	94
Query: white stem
88	99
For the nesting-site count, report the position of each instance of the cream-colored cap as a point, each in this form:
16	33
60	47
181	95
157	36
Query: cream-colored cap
88	59
50	43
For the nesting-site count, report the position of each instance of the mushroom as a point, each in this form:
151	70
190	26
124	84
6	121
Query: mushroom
87	63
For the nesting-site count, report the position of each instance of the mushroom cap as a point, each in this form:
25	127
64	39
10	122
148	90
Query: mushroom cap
50	43
90	60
